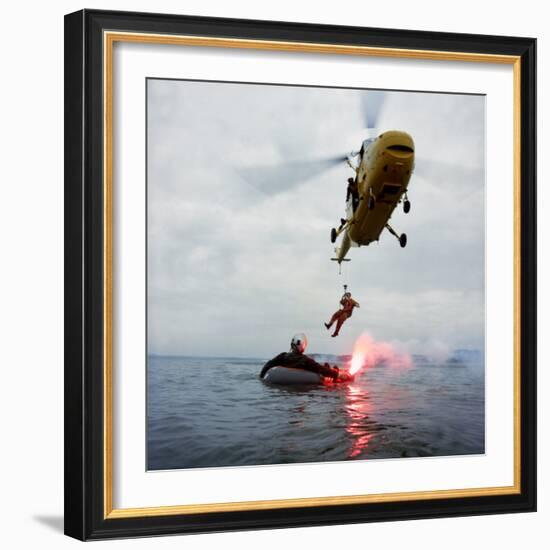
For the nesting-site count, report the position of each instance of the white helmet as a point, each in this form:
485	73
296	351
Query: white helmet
299	343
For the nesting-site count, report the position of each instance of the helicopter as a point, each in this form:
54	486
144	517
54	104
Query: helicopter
383	171
383	167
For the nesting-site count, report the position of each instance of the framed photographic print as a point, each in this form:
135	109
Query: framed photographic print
300	274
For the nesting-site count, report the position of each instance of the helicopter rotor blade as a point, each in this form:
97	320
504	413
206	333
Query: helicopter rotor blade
372	104
278	178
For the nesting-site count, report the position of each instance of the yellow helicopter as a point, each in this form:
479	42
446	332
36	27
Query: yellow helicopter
383	168
382	174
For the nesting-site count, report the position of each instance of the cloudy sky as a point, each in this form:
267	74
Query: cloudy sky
239	222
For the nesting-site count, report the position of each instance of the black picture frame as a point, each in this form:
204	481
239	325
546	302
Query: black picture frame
85	516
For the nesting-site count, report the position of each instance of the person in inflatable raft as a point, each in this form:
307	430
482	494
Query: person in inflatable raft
295	358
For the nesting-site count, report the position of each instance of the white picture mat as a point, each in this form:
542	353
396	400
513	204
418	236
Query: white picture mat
132	485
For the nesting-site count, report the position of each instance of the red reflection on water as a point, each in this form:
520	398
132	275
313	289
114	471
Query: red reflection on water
367	352
357	409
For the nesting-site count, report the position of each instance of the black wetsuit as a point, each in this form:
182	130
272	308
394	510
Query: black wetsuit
299	361
353	192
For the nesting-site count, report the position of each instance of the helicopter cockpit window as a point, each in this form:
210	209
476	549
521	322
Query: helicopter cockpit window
367	142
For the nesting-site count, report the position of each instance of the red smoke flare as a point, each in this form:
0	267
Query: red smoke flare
367	351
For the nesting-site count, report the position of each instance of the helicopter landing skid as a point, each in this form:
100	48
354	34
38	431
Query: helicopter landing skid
401	238
335	233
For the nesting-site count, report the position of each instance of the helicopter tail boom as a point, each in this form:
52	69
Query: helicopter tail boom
342	250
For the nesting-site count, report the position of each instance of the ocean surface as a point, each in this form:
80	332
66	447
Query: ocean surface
212	412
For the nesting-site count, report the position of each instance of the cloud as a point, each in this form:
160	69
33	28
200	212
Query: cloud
235	268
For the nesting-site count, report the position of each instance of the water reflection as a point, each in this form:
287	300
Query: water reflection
205	412
358	408
297	415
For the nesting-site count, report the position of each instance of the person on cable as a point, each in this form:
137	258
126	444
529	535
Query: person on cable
347	304
295	358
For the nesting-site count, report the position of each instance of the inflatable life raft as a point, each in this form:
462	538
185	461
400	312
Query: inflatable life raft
288	376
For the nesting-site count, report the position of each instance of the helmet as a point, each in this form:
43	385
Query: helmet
299	343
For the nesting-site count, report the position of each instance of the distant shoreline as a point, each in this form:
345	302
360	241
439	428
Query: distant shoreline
458	356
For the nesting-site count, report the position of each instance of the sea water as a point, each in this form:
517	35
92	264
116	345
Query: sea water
213	412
